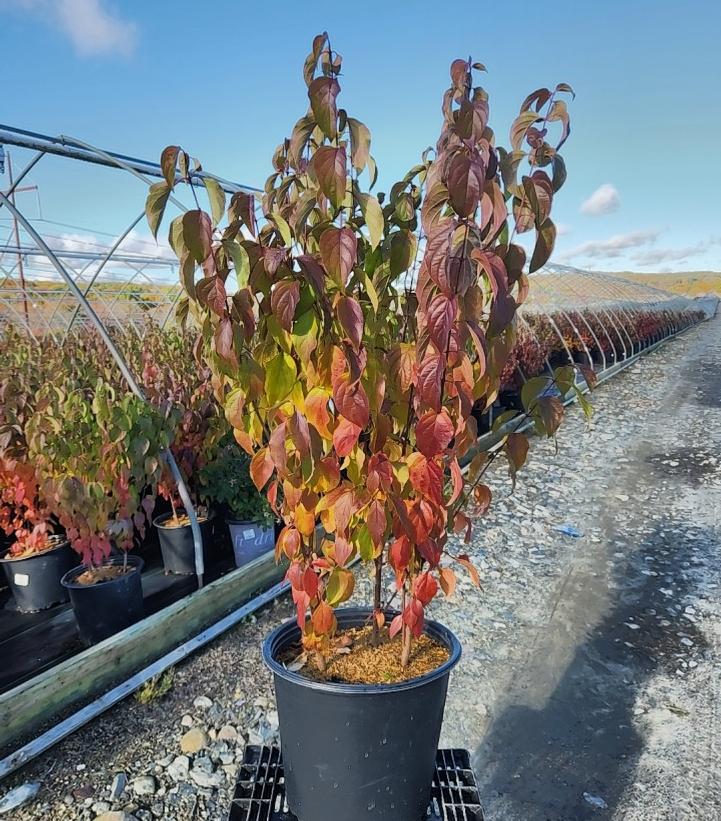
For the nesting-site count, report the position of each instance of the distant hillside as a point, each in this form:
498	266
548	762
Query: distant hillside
689	284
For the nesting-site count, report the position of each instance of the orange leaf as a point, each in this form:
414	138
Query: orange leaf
261	468
323	619
448	580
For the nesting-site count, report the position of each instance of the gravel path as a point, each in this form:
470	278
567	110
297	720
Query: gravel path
589	685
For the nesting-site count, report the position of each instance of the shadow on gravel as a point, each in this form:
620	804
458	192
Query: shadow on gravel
708	383
693	465
535	765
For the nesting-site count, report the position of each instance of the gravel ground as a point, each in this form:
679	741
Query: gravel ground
589	685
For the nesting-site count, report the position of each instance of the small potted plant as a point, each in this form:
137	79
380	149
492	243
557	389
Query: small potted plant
36	558
98	459
188	403
349	373
227	484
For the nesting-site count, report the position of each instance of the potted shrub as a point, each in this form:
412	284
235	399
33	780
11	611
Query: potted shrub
98	458
173	383
349	373
36	559
227	484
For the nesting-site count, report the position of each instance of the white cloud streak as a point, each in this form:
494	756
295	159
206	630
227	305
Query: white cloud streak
92	26
604	200
614	246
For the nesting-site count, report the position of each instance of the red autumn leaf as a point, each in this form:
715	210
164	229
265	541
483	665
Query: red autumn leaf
198	234
399	555
351	401
461	522
457	477
430	551
377	522
342	550
338	250
211	292
422	518
448	580
426	477
300	434
441	313
284	300
380	473
465	178
471	568
350	315
294	575
517	449
396	626
276	446
329	166
430	379
425	588
434	432
322	93
242	208
413	618
289	541
482	495
345	437
313	272
310	583
261	468
300	597
323	619
224	341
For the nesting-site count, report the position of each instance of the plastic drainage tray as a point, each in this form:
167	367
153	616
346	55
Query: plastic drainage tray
260	791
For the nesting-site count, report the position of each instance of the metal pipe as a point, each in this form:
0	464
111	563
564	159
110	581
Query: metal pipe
127	374
75	149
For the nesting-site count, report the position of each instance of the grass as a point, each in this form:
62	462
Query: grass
693	283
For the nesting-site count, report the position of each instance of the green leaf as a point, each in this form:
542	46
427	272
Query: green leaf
545	240
216	196
282	227
175	236
360	143
234	405
339	587
520	127
280	376
532	389
241	261
373	216
371	291
155	205
403	250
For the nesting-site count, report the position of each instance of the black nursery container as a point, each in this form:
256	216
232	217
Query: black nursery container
177	545
106	608
35	579
355	752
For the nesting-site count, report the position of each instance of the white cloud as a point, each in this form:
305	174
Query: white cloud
562	229
604	200
614	246
657	256
92	26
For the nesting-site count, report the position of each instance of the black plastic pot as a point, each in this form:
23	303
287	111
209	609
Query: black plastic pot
35	580
355	752
106	608
177	546
249	540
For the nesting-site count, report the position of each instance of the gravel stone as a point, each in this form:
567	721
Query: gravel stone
194	740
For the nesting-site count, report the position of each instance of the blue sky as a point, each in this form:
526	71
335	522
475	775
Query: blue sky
224	80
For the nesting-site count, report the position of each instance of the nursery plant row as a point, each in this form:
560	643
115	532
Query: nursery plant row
82	473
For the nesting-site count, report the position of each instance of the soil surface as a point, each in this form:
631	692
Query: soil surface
105	573
590	682
357	661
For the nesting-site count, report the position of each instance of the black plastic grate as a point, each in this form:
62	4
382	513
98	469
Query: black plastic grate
260	791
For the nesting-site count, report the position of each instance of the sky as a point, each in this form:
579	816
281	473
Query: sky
224	80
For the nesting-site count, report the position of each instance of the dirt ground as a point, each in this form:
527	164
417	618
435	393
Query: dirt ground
589	685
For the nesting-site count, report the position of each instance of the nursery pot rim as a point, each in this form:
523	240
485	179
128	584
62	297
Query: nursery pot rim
158	520
68	580
232	520
6	558
289	630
